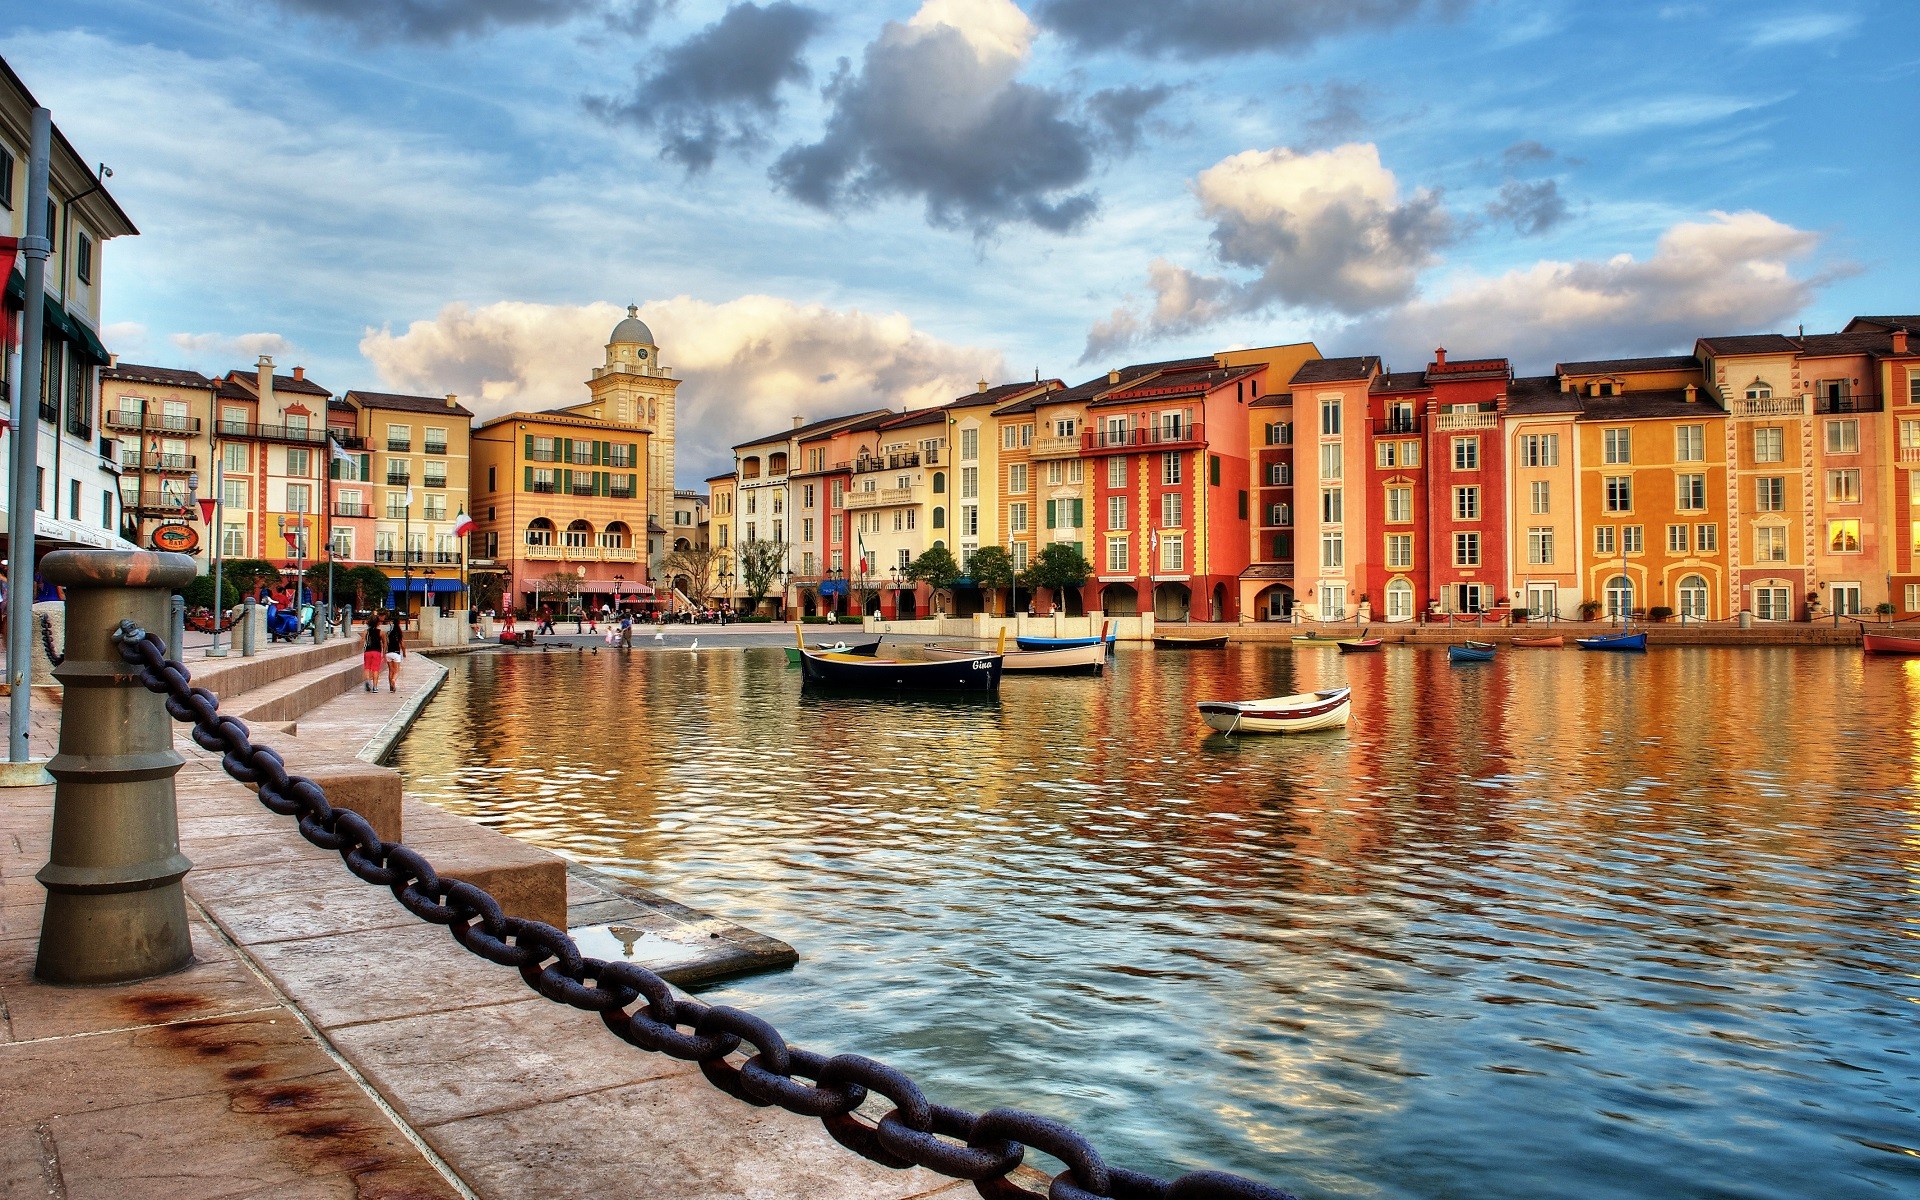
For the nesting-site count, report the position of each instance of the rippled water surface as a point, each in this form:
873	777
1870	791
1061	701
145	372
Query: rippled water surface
1563	924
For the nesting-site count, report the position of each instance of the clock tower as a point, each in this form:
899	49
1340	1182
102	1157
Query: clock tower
633	388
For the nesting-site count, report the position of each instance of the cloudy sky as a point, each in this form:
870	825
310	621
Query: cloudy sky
831	207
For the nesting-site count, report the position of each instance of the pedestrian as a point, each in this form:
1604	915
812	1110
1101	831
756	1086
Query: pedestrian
373	652
546	619
396	650
507	626
626	631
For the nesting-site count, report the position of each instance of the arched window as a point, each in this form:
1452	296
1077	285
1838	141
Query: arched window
540	532
1399	600
1693	598
614	536
579	535
939	516
939	482
1759	389
1619	596
777	464
749	468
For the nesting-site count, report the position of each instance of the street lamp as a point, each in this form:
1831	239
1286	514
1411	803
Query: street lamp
617	581
427	587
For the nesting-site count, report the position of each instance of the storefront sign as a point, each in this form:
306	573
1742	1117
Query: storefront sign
180	539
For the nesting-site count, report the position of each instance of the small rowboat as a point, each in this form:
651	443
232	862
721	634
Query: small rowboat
1211	641
1314	639
1107	636
865	650
1471	652
1887	643
1359	645
1539	643
1613	641
1090	659
1304	713
853	672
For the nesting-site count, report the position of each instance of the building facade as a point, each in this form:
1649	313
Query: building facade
417	475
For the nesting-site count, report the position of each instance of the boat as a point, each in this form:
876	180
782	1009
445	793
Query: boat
1090	659
1205	641
1314	639
1359	645
1613	641
1887	643
854	672
1539	643
864	649
1471	652
1107	636
1304	713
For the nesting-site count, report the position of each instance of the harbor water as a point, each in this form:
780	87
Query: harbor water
1562	924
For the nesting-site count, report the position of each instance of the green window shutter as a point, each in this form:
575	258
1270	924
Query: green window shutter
601	483
1050	504
1213	469
529	486
529	445
1079	514
366	466
633	486
566	481
1080	548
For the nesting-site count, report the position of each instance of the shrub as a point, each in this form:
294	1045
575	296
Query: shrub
1589	609
1659	613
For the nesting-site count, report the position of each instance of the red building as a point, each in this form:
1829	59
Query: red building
1466	473
1399	557
1266	585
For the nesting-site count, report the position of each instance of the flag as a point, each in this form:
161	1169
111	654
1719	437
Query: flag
340	455
462	524
861	541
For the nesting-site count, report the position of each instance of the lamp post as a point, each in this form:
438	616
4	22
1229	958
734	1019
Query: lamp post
617	581
426	586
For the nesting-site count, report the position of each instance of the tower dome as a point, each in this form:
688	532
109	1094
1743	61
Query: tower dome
632	329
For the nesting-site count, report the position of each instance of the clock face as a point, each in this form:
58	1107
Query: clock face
643	355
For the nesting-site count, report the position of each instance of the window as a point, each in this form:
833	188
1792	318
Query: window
299	498
1279	474
1769	444
1540	546
6	179
1383	455
1173	553
1017	518
1676	539
1633	539
1693	598
1466	454
1770	494
1399	551
299	462
1117	556
1331	460
1280	433
1542	497
1540	450
1409	454
1690	443
435	474
1056	473
400	439
1330	417
969	483
1616	445
1706	538
435	440
233	541
1116	472
435	508
1619	597
1170	467
1690	493
73	500
1913	589
1773	604
1333	550
1333	599
1843	487
1332	506
1466	549
1017	478
1603	539
1007	435
1172	510
83	257
1066	427
807	495
233	494
1619	493
1399	505
806	529
1843	537
1466	504
1116	512
1846	600
1770	544
969	520
837	495
1843	437
969	445
1759	390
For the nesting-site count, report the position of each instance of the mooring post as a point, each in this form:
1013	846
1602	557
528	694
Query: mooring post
246	629
115	910
177	625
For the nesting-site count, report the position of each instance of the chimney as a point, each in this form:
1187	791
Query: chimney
1593	388
453	400
1440	356
263	383
1693	393
113	360
1113	376
1566	385
983	385
300	373
798	422
1899	341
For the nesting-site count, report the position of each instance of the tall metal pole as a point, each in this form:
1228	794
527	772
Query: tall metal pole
24	495
406	559
214	535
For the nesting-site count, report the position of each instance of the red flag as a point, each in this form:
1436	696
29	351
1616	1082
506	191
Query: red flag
463	525
8	248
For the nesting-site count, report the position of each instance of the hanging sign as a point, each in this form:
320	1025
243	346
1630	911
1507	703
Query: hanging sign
176	537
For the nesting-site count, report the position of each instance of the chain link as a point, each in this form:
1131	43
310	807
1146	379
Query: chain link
984	1148
46	639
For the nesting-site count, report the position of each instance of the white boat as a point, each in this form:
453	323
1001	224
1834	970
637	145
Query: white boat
1089	659
1304	713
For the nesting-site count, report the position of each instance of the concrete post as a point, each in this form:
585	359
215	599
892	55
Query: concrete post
177	627
115	910
249	628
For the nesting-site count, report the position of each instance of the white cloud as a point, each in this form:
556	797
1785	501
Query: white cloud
751	365
1801	28
994	28
223	349
128	339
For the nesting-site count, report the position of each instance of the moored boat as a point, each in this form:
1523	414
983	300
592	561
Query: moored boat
1359	645
1314	639
853	672
1471	652
1209	641
1613	641
1106	638
1306	712
1539	643
1887	643
1090	659
865	650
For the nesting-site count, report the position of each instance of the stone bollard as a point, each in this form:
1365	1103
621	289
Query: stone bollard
49	624
115	910
250	628
177	627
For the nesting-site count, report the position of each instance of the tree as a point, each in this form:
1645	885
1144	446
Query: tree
1058	567
199	593
701	566
363	587
760	561
935	568
993	568
487	590
247	574
561	585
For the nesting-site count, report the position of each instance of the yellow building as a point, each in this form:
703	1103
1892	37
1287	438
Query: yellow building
161	419
419	480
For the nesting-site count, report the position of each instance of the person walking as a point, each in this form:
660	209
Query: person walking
373	651
396	650
506	625
626	631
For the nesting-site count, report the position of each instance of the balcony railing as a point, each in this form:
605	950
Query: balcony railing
272	433
1055	447
618	463
352	510
445	558
542	553
897	461
544	487
136	460
863	499
1162	437
435	447
398	478
348	441
1772	406
619	554
434	481
1861	403
394	556
154	421
620	491
1398	423
1910	454
896	495
158	502
1462	422
581	553
580	487
543	456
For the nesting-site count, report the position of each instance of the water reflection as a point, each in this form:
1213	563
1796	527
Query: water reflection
1608	925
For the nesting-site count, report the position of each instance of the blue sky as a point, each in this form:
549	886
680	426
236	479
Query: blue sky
827	208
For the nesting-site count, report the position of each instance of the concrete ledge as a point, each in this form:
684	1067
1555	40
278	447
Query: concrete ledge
301	694
373	792
527	881
619	921
380	748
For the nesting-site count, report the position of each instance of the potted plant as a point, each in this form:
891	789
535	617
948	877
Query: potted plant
1589	609
1659	612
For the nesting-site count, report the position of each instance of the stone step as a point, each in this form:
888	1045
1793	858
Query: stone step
233	676
292	697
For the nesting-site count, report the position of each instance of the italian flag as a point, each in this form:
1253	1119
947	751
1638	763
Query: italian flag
462	525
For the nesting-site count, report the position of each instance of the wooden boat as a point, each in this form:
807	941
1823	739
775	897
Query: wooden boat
1314	639
1613	641
1207	641
1106	638
1471	652
1304	713
865	650
1090	659
1539	643
853	672
1359	645
1887	643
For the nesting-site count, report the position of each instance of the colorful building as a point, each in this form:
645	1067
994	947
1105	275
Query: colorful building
271	435
1330	397
415	473
1544	579
160	420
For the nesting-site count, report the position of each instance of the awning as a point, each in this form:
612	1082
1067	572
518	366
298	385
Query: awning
420	585
58	320
52	533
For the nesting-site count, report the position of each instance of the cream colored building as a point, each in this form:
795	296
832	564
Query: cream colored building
633	388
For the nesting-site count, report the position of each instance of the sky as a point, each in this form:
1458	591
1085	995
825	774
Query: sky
826	208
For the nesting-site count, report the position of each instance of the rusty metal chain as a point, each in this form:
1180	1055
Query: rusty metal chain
46	639
982	1147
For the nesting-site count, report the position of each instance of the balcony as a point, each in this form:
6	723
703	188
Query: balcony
153	421
1834	405
446	558
1161	437
544	487
1465	422
1772	406
1400	423
541	553
352	510
434	481
619	491
1055	447
347	440
619	554
147	461
1910	454
581	553
543	456
863	500
896	495
159	503
620	464
272	433
579	487
394	447
435	447
897	461
394	556
398	478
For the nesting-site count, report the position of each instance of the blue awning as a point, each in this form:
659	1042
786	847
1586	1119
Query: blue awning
420	585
